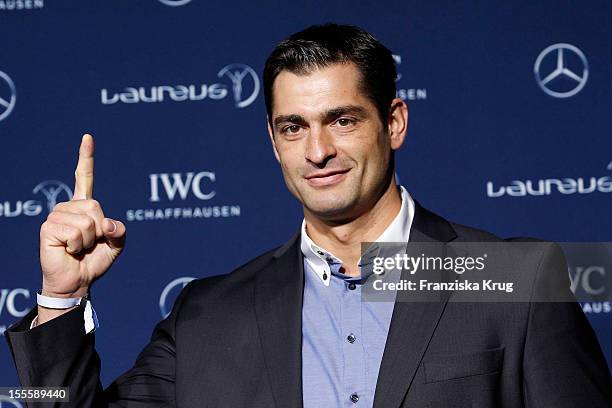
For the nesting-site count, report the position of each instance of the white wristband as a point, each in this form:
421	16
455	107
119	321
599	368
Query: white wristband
57	303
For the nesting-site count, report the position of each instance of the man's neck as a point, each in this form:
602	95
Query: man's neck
344	240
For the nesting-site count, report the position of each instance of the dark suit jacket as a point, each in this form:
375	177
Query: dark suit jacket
235	341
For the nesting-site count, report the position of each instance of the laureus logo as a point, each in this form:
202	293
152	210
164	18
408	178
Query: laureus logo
243	85
51	189
548	186
237	74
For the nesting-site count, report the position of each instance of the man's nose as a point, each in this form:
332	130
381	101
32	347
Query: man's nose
320	146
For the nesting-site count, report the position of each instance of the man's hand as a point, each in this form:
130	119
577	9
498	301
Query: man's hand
77	243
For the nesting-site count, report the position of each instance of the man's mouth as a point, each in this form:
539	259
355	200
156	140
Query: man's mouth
326	178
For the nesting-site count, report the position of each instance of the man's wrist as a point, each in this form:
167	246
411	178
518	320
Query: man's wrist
80	292
51	302
46	313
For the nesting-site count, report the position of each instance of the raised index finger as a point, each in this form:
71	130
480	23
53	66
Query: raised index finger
83	176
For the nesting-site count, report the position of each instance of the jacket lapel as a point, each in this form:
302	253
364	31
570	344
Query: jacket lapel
412	323
278	307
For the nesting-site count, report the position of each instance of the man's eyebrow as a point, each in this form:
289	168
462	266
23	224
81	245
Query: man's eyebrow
334	113
326	116
288	119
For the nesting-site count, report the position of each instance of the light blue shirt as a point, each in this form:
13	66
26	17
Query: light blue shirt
343	338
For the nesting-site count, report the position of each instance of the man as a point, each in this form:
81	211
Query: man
289	328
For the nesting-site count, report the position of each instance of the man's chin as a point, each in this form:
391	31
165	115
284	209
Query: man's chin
330	210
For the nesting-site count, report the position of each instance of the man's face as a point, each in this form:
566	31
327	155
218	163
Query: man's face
327	135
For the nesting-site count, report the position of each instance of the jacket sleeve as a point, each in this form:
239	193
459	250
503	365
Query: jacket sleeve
563	363
60	354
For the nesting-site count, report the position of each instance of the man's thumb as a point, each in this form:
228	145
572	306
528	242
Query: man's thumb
114	231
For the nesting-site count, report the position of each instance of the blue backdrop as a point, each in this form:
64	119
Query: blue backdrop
509	131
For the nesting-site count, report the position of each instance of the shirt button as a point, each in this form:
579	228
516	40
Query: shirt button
351	338
354	398
320	253
352	286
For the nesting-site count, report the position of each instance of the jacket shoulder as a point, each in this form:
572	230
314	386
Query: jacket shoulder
225	284
467	233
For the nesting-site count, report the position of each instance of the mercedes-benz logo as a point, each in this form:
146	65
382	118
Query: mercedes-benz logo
175	3
165	304
564	54
6	402
8	95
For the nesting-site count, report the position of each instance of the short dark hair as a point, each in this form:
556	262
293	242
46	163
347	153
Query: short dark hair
319	46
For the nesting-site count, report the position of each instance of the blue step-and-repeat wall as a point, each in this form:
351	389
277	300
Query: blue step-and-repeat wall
510	131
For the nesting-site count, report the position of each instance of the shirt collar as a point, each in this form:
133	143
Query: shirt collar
322	261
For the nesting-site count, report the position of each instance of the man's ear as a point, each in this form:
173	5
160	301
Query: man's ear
398	123
271	134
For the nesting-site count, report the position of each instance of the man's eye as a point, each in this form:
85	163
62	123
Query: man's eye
291	129
343	122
